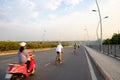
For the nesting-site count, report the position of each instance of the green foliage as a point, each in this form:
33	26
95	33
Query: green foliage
6	46
114	40
107	41
31	45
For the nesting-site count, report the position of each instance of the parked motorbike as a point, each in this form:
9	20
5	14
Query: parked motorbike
17	71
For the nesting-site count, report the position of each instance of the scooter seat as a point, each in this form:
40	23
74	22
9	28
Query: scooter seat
17	64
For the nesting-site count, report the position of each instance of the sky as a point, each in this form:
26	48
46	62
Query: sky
57	20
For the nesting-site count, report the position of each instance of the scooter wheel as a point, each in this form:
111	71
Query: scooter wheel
17	77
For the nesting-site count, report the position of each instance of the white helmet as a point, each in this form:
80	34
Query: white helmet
59	43
22	44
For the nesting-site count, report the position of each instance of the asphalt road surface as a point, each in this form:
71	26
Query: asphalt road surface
74	67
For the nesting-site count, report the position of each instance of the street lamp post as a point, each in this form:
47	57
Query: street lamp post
87	35
100	19
98	26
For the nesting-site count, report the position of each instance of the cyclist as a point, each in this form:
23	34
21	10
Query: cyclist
75	48
59	51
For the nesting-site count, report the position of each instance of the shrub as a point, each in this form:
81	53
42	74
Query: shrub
6	46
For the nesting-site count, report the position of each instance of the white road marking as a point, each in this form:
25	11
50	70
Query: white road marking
47	64
91	68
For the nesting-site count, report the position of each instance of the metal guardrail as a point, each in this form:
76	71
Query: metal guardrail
113	50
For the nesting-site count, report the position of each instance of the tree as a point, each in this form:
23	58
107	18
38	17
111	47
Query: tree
114	40
107	41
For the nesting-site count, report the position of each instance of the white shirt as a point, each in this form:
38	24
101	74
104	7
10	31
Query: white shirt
59	48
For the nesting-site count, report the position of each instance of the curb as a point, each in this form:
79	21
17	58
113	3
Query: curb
100	68
31	50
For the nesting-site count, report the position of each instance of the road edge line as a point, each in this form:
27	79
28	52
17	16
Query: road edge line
90	67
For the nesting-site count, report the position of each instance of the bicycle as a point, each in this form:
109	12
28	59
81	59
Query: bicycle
74	51
58	59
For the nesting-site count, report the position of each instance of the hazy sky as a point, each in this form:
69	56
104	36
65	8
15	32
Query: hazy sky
57	19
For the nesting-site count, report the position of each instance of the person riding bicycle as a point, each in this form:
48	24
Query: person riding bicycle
23	55
75	48
59	51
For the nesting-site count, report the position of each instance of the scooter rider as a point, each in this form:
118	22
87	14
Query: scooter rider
23	55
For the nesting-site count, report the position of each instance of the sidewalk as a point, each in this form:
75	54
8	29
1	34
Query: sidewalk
110	67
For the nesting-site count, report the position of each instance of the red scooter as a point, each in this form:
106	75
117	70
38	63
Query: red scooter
17	71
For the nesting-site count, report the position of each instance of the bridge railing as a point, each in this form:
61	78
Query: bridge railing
113	50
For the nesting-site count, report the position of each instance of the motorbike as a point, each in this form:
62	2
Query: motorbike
17	71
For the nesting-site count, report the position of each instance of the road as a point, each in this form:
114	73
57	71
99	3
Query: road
74	67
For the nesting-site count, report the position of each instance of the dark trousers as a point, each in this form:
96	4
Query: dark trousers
28	65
